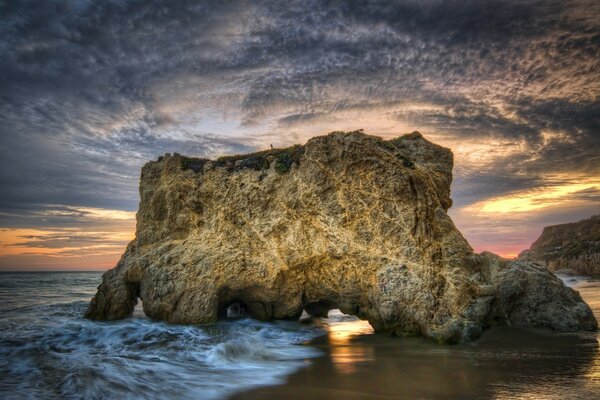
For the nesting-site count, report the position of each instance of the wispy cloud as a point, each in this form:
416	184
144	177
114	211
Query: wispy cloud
540	198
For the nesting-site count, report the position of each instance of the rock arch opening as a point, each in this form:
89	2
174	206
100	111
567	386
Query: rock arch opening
340	321
319	309
137	308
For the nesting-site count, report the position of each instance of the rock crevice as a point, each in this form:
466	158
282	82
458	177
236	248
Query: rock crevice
347	221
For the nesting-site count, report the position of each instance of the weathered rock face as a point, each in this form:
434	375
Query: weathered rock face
347	221
574	246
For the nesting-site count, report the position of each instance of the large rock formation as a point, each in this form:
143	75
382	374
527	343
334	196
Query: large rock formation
348	221
574	246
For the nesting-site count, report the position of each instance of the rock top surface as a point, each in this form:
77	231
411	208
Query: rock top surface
574	246
347	221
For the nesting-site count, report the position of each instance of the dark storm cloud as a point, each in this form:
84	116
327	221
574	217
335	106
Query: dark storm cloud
77	117
90	90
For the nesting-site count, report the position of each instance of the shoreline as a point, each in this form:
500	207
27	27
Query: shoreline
504	362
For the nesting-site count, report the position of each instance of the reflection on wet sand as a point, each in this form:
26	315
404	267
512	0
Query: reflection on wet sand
341	330
504	363
590	291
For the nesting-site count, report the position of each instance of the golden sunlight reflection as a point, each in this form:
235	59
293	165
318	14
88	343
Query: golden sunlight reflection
590	291
342	329
593	373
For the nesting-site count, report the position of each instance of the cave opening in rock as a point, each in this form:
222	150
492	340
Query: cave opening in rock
233	309
319	309
248	302
340	326
138	309
133	289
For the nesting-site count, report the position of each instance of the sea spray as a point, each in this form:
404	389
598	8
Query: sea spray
48	351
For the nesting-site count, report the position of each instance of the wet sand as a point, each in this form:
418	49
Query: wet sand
504	363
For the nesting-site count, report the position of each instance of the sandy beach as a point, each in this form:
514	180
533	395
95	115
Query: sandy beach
504	363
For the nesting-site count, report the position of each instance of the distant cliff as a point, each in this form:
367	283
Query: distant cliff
347	221
573	246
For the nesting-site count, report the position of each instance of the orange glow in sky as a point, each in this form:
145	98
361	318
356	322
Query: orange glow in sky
96	244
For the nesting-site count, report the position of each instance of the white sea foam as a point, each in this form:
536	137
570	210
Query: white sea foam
572	280
47	350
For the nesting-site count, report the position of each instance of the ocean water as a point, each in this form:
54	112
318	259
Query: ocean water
48	351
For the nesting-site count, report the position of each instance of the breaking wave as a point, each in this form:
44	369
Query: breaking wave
48	351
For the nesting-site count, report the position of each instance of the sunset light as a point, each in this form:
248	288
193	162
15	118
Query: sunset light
189	189
537	199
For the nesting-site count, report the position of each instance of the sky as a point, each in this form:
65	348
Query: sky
90	90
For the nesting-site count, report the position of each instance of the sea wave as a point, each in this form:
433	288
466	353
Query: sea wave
572	279
54	353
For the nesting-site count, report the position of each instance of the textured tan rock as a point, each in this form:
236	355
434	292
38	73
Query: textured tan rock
347	221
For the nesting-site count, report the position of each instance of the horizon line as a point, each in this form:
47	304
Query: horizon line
53	270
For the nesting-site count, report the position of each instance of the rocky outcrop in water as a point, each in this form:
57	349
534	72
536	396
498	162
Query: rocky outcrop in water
574	246
347	221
